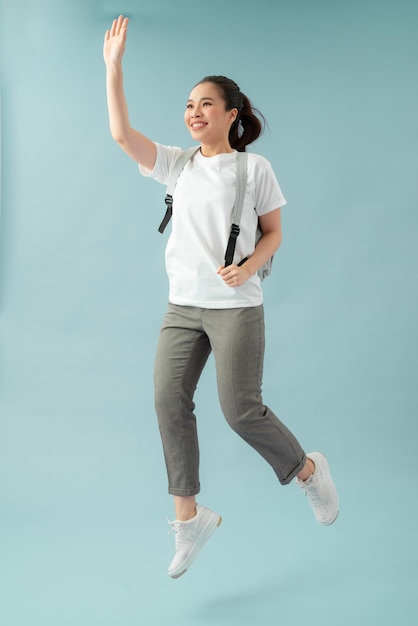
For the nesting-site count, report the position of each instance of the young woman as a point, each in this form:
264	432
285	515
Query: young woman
213	308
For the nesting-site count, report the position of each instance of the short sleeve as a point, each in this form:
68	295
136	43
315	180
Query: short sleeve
267	191
166	155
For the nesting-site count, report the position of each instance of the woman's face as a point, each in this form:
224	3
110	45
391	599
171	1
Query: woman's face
205	115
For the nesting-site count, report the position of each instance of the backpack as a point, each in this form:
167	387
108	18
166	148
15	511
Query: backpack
180	162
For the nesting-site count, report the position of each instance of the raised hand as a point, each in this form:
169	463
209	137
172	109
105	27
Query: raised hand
114	41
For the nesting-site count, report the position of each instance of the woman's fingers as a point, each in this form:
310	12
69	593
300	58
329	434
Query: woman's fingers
120	24
114	39
233	275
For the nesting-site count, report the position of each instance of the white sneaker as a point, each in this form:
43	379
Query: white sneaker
191	536
320	490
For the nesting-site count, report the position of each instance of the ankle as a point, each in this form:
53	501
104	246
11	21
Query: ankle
307	471
186	516
185	507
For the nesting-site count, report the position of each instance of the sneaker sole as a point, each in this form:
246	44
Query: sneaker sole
331	522
204	536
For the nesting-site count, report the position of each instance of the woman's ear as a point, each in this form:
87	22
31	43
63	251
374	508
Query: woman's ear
233	115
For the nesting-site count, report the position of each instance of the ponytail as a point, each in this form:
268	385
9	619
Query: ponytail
249	123
247	127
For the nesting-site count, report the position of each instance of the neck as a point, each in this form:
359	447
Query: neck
210	150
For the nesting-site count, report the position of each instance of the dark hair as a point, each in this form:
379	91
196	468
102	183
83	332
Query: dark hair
249	123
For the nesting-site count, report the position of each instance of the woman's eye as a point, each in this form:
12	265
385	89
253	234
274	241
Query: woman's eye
206	104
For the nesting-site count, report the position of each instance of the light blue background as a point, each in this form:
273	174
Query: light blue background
83	501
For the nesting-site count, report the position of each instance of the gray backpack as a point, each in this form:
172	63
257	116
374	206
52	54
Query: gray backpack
178	166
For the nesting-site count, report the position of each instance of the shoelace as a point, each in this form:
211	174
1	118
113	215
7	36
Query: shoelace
313	495
182	536
174	526
312	491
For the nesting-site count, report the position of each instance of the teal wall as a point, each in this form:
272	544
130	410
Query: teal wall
83	497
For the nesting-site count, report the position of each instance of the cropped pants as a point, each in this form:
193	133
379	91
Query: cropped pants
236	338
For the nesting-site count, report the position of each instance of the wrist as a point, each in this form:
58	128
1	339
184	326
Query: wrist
248	267
114	67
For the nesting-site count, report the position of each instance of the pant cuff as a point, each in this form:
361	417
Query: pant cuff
191	491
294	473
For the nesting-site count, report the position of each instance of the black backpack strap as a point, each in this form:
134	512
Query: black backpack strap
168	213
237	211
177	168
230	249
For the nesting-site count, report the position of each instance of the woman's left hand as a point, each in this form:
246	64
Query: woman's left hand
234	276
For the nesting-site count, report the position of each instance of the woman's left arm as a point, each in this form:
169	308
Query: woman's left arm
271	227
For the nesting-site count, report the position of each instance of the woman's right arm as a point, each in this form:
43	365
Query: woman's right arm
134	143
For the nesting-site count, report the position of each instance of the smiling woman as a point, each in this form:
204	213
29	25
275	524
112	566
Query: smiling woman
244	123
208	120
213	307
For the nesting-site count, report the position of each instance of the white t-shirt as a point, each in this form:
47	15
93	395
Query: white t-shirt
202	215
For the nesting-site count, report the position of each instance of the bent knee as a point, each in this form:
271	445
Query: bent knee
243	421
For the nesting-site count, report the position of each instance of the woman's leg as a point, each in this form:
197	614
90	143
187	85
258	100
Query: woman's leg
237	339
182	352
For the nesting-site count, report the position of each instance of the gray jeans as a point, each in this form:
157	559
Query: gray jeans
236	338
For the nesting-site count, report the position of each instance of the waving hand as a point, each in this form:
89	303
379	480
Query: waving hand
114	40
